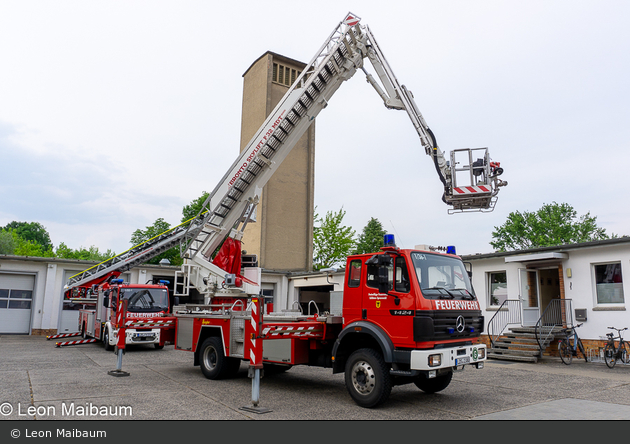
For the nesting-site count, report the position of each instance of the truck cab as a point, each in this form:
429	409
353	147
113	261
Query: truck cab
148	313
413	314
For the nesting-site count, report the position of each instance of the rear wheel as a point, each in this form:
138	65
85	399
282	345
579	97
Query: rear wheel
214	364
610	356
565	351
367	378
433	385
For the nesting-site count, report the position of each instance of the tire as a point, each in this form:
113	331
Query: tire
213	362
565	351
106	344
433	385
610	357
367	378
581	348
623	353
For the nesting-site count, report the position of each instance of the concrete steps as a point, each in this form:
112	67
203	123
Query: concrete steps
520	344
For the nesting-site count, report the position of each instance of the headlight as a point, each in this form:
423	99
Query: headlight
482	352
435	360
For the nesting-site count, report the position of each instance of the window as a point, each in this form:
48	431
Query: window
497	287
20	299
284	75
608	283
354	277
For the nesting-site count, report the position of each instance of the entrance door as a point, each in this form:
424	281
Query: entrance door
528	286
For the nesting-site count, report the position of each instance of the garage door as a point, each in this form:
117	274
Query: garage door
16	300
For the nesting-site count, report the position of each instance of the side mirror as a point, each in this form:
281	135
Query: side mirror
106	301
176	300
468	266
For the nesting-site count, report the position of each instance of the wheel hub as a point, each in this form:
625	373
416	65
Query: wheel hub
363	377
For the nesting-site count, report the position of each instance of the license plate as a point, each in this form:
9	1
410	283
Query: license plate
462	361
143	335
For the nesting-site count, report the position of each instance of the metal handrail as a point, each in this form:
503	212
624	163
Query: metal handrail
508	313
559	313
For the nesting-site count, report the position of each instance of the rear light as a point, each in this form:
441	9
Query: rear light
435	360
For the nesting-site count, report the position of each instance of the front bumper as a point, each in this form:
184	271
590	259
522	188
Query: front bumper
134	336
452	357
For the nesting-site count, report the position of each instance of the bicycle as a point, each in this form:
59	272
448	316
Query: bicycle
568	348
612	353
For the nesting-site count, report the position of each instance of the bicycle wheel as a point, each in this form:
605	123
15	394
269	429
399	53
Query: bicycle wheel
623	353
581	347
610	355
565	352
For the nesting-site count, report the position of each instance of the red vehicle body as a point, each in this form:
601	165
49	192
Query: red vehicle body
404	316
148	318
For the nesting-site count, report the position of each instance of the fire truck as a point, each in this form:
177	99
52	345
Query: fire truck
148	316
403	316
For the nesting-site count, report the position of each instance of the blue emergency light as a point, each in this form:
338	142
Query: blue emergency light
389	241
163	282
117	281
450	249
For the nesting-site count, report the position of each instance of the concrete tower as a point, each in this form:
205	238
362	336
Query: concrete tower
282	237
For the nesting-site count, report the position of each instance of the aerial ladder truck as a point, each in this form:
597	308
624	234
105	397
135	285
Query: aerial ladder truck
403	316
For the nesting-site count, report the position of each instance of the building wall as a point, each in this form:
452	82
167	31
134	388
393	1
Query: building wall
282	237
579	287
50	279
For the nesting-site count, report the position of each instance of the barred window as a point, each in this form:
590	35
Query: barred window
284	75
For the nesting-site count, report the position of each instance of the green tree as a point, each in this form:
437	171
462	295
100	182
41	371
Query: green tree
193	208
86	254
332	241
7	243
553	224
371	239
31	231
159	226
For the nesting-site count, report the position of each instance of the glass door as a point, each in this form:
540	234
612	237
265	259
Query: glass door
528	286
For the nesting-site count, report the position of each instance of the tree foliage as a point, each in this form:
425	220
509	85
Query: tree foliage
159	226
86	254
371	238
332	241
194	207
553	224
31	231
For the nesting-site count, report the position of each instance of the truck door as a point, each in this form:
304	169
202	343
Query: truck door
392	312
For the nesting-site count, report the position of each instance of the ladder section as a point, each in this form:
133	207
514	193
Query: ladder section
232	201
135	255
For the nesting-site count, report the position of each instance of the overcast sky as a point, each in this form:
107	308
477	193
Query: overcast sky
116	113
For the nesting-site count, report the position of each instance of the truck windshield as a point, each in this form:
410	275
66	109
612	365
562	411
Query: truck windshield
442	277
146	299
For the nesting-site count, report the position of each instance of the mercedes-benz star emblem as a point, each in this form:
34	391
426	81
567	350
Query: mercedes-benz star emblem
460	323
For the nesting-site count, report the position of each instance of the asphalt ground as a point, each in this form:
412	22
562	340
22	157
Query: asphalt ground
55	384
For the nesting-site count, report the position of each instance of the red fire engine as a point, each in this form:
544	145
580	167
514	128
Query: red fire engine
148	318
404	316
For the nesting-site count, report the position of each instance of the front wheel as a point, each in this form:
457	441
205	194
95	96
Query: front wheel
610	355
367	378
623	353
433	385
565	351
106	343
581	348
214	364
